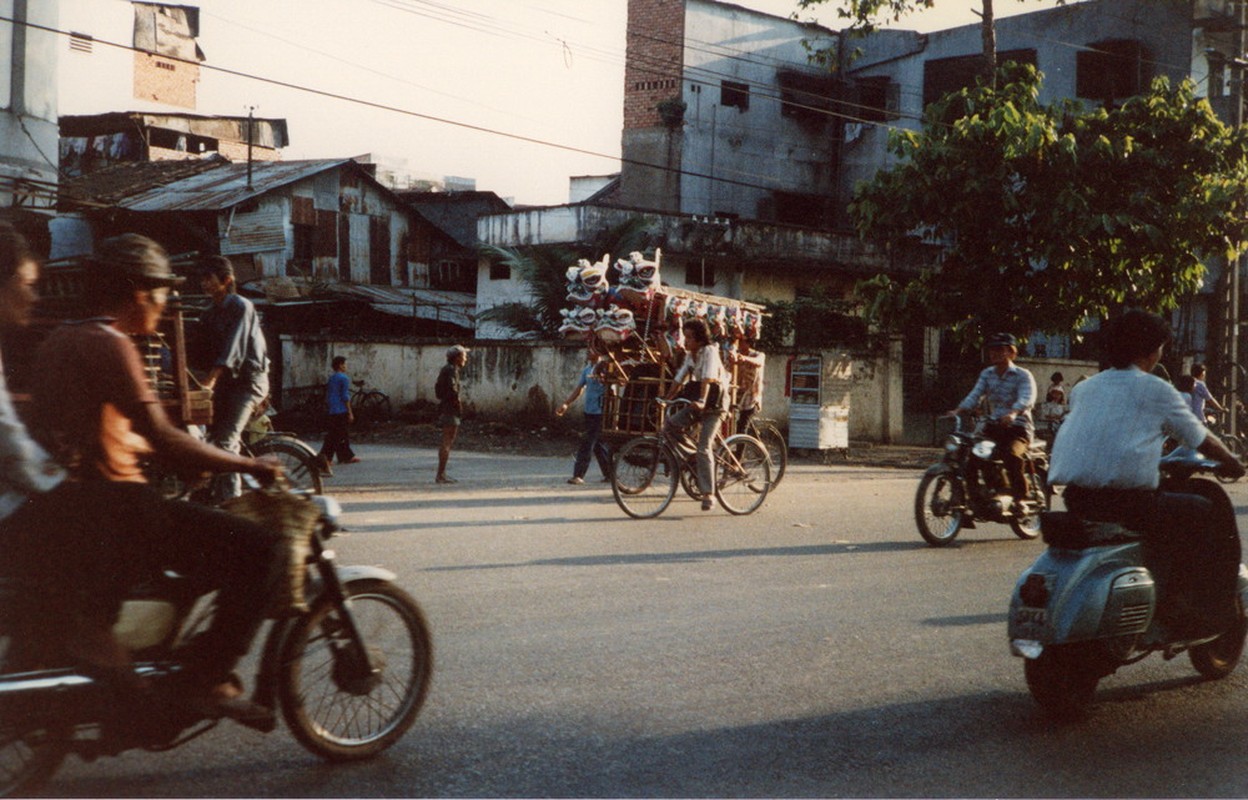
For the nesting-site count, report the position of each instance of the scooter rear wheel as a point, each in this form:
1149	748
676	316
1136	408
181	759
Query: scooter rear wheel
1217	659
1063	680
938	508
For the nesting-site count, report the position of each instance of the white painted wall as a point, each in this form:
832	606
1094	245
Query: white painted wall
515	378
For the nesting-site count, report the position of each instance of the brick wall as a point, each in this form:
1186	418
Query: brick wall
655	48
162	80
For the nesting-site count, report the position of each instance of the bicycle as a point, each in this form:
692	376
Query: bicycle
767	432
370	406
648	468
300	462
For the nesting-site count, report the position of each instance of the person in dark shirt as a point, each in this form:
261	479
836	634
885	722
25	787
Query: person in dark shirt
450	406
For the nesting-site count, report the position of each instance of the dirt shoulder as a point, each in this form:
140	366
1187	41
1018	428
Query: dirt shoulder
562	440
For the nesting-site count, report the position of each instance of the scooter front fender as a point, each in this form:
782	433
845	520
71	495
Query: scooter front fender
1080	595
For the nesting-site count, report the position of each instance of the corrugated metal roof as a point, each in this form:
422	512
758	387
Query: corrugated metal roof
226	186
452	307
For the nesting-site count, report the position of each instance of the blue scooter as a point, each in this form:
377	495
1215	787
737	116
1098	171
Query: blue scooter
1088	605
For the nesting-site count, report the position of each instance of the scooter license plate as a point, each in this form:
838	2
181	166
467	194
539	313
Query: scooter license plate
1030	617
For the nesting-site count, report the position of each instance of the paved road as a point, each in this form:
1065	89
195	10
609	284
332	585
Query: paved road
816	648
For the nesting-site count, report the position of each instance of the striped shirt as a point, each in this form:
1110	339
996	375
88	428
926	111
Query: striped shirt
1012	391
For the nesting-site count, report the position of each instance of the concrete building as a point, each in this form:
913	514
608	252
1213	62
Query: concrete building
28	124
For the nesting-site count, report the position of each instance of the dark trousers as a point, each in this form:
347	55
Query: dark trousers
1191	541
592	443
1012	442
337	439
90	543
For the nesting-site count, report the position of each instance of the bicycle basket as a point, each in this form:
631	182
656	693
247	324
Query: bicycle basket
295	517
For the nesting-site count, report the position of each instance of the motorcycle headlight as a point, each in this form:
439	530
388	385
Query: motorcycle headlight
983	449
331	512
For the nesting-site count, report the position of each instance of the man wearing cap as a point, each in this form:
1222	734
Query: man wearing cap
1010	392
96	413
450	407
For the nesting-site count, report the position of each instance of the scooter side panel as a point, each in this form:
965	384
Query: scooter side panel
1083	594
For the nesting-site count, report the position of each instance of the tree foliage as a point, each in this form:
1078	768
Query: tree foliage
1054	214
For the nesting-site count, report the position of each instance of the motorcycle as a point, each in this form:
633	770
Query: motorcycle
348	672
1088	605
952	495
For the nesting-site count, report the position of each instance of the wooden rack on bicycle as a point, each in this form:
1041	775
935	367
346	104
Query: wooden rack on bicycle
639	366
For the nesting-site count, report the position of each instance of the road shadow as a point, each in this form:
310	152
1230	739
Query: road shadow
980	744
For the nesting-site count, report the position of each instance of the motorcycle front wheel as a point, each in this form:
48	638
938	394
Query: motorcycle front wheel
938	508
334	706
1038	494
1217	659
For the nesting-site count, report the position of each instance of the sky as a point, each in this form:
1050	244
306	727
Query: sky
518	95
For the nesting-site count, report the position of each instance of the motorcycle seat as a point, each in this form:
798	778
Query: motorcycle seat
1065	530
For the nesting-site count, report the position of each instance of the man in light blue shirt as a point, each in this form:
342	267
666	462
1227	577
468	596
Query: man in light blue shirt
1010	392
592	443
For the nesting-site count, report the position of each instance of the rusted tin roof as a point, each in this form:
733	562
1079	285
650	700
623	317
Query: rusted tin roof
226	186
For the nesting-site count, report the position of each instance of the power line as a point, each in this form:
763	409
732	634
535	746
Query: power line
408	112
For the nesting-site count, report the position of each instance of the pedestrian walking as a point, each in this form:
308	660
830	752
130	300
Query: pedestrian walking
592	387
337	442
450	405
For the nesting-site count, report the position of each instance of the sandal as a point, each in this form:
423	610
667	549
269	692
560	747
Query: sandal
226	700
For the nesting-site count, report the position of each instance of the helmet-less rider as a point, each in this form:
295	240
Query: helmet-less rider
1010	392
1107	454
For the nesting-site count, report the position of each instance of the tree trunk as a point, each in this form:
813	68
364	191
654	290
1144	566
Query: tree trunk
989	33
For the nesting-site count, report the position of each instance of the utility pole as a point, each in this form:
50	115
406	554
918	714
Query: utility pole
251	115
1237	92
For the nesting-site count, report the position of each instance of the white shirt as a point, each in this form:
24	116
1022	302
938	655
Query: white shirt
1113	434
25	467
706	366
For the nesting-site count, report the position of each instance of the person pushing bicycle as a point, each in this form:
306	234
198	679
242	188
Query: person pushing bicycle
708	393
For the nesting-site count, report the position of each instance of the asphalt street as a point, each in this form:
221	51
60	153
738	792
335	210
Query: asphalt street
817	648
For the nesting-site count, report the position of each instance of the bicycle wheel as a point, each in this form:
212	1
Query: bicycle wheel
742	474
298	461
334	708
777	448
371	409
644	477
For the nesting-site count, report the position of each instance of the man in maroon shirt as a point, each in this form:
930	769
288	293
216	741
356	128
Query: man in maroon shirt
96	413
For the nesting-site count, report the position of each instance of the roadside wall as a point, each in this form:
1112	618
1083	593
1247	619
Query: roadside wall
509	378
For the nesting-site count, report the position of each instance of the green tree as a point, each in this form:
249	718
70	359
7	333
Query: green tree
543	269
866	16
1053	215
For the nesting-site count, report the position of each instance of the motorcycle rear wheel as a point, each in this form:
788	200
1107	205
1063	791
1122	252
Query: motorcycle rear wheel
1063	680
31	749
938	508
333	709
1217	659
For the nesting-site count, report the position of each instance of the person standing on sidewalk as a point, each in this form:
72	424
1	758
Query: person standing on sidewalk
338	404
450	405
593	388
239	363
